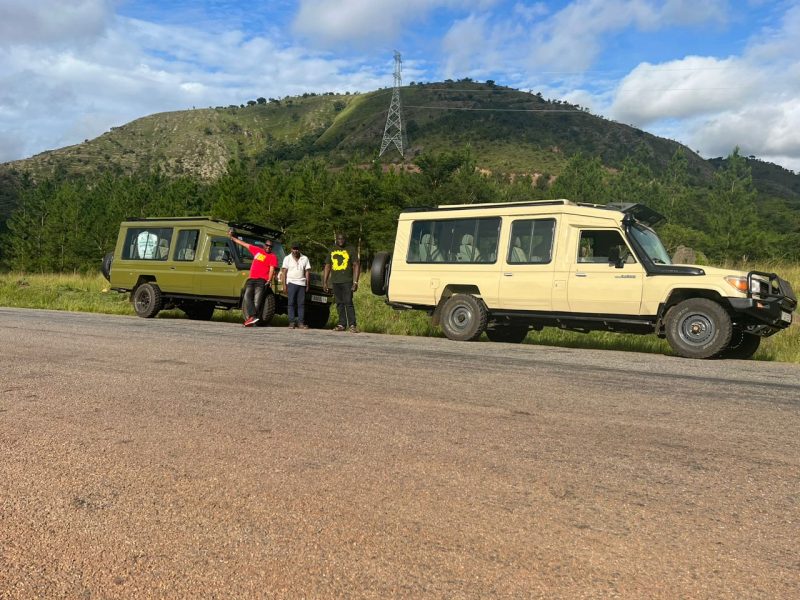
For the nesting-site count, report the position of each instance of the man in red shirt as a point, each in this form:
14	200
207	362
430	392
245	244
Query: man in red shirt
265	263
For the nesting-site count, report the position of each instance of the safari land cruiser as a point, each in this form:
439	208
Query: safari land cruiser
508	268
189	263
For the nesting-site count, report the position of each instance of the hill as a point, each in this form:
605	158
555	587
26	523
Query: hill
508	131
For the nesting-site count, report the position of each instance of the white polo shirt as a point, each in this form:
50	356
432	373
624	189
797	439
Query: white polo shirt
296	269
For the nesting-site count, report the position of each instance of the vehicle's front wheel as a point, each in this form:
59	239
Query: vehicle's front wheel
507	333
742	345
199	311
464	318
147	300
698	328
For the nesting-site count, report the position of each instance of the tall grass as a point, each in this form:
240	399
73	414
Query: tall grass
89	293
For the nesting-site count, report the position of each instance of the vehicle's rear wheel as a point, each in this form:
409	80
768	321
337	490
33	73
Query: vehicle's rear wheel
510	334
698	328
105	266
147	300
199	311
742	345
317	316
269	309
464	318
379	274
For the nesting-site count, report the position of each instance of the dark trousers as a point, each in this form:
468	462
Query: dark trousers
297	303
343	294
254	296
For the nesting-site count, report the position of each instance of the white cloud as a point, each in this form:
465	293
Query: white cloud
685	88
330	22
52	21
715	105
52	95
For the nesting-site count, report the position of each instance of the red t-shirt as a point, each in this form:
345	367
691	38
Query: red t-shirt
262	261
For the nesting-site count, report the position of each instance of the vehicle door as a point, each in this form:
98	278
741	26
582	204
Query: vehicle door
605	278
526	280
219	277
185	261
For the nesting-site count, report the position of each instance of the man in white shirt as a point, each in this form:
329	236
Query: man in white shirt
296	277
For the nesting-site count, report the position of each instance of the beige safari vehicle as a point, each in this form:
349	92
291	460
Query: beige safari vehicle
505	269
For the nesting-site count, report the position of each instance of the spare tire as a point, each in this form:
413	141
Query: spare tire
105	266
379	274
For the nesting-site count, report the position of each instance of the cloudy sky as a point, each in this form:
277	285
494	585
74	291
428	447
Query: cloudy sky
712	74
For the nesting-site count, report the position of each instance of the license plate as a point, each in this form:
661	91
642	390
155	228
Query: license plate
322	299
785	316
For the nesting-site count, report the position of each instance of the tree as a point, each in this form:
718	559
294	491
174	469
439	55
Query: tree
261	100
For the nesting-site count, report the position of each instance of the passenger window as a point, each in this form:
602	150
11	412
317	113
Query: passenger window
147	244
219	251
531	242
595	247
187	244
454	241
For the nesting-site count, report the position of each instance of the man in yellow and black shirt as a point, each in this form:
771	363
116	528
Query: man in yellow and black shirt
342	269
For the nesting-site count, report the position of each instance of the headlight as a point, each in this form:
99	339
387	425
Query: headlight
740	283
758	285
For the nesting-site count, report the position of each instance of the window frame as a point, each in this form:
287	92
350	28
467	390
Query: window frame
131	243
631	253
552	220
432	223
178	245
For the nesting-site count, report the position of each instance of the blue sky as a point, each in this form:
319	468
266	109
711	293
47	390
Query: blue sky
712	74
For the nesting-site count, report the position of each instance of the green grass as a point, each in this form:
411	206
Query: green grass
89	293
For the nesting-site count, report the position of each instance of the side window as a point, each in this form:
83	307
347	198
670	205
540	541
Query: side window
186	246
454	241
597	246
531	242
219	250
143	243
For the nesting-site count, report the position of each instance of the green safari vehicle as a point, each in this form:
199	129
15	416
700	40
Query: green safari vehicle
189	263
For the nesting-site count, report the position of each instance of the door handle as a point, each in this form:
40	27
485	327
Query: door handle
209	269
624	276
580	274
508	274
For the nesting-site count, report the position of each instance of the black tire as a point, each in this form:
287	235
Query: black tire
199	311
147	300
742	345
379	274
269	309
698	328
105	266
464	318
507	333
317	316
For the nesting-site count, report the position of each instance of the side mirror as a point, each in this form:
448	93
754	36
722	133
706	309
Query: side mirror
614	257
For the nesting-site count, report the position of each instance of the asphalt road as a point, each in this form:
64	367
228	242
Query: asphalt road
177	459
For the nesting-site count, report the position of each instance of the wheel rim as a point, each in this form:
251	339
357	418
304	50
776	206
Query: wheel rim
143	302
697	329
460	318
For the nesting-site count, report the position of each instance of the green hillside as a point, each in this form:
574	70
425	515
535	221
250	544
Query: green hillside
508	131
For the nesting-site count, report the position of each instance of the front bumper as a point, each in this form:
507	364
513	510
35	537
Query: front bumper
769	310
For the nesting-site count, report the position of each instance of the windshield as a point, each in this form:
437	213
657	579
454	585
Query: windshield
650	243
244	256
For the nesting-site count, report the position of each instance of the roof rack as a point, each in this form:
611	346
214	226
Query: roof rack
449	207
253	228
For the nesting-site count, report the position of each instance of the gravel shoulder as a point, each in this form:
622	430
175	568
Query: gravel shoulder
172	458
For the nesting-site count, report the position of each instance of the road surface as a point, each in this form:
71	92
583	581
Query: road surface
172	458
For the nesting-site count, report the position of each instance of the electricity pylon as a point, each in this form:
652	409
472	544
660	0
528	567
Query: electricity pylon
393	132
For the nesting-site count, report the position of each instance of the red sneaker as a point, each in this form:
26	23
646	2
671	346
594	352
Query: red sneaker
249	322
